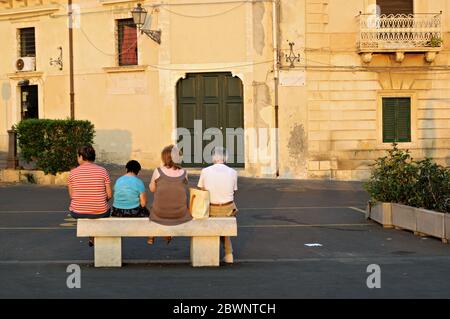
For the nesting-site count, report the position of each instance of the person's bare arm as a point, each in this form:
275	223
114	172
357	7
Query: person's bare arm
108	191
201	182
70	191
143	199
152	185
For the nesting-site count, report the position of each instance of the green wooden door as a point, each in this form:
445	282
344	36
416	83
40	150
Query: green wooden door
215	99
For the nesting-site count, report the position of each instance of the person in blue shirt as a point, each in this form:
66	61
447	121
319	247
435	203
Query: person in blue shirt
130	196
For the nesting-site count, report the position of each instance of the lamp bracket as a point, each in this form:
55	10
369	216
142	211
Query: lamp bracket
155	35
292	57
59	60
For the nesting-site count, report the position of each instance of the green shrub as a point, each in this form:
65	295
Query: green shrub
393	177
432	187
397	178
435	42
53	143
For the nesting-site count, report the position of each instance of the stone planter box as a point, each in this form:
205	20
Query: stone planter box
9	176
404	217
430	223
447	227
422	222
381	213
36	177
33	176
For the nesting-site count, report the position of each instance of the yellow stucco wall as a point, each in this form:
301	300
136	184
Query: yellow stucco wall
344	106
329	126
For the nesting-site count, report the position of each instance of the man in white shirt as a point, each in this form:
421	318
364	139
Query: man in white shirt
221	182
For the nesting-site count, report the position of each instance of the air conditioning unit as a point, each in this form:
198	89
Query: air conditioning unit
25	64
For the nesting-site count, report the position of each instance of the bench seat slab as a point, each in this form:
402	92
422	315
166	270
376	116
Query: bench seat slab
142	227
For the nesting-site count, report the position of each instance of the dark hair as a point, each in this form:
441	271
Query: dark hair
133	167
166	157
87	152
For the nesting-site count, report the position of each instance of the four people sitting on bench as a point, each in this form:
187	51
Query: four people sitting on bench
90	190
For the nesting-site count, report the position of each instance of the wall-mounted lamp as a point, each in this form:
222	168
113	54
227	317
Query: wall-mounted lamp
59	60
140	19
292	57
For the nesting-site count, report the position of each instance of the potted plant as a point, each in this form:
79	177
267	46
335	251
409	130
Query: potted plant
447	225
430	196
435	42
390	182
416	190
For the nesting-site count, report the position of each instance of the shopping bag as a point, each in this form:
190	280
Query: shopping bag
199	203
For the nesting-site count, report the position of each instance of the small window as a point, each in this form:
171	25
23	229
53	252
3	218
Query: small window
27	42
396	120
127	42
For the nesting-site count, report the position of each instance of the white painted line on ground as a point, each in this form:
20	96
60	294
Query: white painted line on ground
240	208
363	259
241	226
358	209
33	211
293	207
302	226
36	228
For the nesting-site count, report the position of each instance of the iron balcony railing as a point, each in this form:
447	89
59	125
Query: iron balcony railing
404	32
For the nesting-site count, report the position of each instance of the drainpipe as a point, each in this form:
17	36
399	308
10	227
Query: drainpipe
276	76
72	92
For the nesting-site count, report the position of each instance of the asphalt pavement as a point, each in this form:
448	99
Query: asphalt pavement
296	239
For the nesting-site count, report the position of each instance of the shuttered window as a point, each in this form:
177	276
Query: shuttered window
396	6
27	42
396	120
127	42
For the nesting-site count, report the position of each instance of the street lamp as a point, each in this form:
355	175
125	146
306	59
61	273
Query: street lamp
139	15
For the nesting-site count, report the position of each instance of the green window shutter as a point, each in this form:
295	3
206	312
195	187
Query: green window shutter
396	120
389	120
403	120
27	42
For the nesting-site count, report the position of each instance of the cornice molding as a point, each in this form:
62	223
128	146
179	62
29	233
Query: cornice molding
25	75
124	69
27	12
112	2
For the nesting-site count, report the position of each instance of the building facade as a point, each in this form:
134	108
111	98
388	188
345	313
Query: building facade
320	88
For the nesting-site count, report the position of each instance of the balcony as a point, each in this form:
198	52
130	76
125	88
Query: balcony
399	34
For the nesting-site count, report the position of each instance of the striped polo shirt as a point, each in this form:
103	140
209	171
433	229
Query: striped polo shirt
88	182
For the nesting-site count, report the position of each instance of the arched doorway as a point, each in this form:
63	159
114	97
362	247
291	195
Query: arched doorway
211	102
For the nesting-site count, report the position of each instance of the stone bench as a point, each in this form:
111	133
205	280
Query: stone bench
108	232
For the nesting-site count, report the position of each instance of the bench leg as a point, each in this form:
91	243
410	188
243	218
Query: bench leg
108	251
205	251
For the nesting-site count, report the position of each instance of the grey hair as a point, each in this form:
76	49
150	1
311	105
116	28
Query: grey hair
219	154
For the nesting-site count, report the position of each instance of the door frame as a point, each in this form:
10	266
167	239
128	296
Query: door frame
21	89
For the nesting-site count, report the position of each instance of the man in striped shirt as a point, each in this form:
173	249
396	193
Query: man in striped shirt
89	187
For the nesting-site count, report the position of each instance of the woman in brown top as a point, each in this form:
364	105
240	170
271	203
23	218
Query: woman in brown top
169	184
